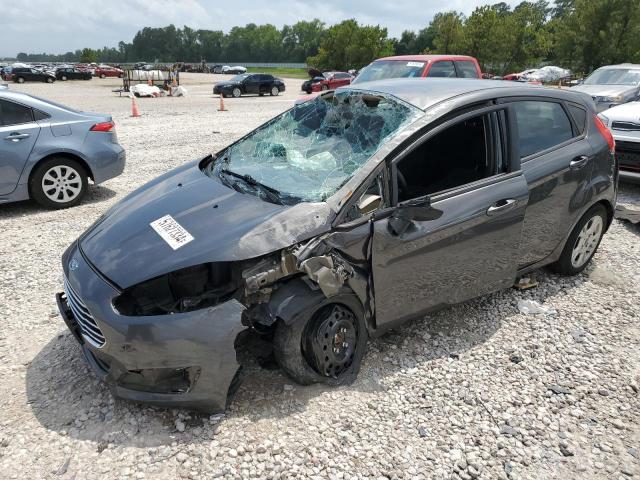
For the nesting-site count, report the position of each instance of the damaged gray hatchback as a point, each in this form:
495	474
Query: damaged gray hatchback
333	222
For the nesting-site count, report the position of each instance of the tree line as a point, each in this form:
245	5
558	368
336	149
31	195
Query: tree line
577	34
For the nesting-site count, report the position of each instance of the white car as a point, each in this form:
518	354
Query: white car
624	123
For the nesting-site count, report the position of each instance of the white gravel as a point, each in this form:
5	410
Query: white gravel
476	391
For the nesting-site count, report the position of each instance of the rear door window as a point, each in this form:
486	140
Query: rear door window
442	69
466	69
541	125
14	114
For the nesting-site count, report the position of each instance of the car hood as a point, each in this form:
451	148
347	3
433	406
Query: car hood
604	90
628	112
225	225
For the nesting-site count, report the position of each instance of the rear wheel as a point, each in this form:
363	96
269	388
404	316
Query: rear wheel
20	79
102	75
326	348
63	78
325	87
583	242
58	183
49	80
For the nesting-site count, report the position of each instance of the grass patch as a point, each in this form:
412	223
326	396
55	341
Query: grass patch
281	72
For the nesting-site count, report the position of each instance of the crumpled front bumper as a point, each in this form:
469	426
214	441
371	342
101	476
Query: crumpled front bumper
183	360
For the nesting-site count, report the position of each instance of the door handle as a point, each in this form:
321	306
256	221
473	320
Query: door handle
578	162
16	137
501	206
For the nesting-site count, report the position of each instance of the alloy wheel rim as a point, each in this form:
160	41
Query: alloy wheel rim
587	241
61	184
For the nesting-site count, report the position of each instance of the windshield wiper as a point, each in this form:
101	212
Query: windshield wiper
274	195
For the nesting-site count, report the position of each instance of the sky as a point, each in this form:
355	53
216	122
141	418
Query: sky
59	26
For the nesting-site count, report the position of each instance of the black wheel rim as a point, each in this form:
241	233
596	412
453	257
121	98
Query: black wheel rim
330	340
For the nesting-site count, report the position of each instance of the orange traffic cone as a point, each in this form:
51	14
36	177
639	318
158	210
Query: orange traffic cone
134	107
149	81
221	108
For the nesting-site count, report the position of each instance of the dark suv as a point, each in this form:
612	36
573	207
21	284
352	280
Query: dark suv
22	74
338	220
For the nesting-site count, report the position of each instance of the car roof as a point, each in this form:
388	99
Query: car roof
427	92
427	58
621	65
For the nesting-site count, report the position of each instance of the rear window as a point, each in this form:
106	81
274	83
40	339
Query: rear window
579	116
442	69
466	69
14	114
382	69
541	125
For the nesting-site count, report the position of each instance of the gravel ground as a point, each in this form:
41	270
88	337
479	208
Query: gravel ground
476	391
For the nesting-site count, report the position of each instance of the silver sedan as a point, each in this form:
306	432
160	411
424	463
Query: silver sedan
48	152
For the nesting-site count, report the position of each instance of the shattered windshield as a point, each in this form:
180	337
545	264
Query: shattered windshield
614	76
310	151
383	69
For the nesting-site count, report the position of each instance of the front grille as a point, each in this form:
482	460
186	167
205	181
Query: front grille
627	126
90	330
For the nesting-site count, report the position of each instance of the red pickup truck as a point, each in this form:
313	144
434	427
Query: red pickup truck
404	66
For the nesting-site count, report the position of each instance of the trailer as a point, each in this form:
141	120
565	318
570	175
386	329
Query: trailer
163	79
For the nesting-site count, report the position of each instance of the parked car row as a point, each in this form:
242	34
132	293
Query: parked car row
21	73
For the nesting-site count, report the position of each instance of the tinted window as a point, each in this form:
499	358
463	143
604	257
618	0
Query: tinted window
442	69
38	115
541	125
342	75
14	114
466	69
579	116
267	78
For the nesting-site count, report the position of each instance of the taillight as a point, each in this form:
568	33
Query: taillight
605	132
103	127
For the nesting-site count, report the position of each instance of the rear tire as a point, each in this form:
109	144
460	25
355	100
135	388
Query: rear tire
58	182
63	78
311	350
49	80
325	88
583	242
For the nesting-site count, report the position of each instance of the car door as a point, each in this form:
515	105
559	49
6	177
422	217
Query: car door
466	243
251	84
342	79
18	135
557	161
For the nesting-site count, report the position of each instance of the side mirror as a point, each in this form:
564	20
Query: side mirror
368	203
404	215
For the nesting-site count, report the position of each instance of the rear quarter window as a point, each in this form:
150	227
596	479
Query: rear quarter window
541	125
579	115
466	69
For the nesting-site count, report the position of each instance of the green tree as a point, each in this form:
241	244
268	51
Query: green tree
302	40
88	55
448	32
348	45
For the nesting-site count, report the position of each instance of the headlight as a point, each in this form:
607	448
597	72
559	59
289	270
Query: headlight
604	119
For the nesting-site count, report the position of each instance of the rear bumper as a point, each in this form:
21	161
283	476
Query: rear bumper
183	360
109	163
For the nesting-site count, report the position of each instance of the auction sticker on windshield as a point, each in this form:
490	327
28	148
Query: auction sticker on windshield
415	64
171	232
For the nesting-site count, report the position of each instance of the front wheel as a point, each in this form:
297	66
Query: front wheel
326	348
58	183
20	80
583	242
275	91
49	80
236	92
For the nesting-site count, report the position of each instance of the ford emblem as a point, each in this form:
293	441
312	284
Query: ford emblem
73	264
